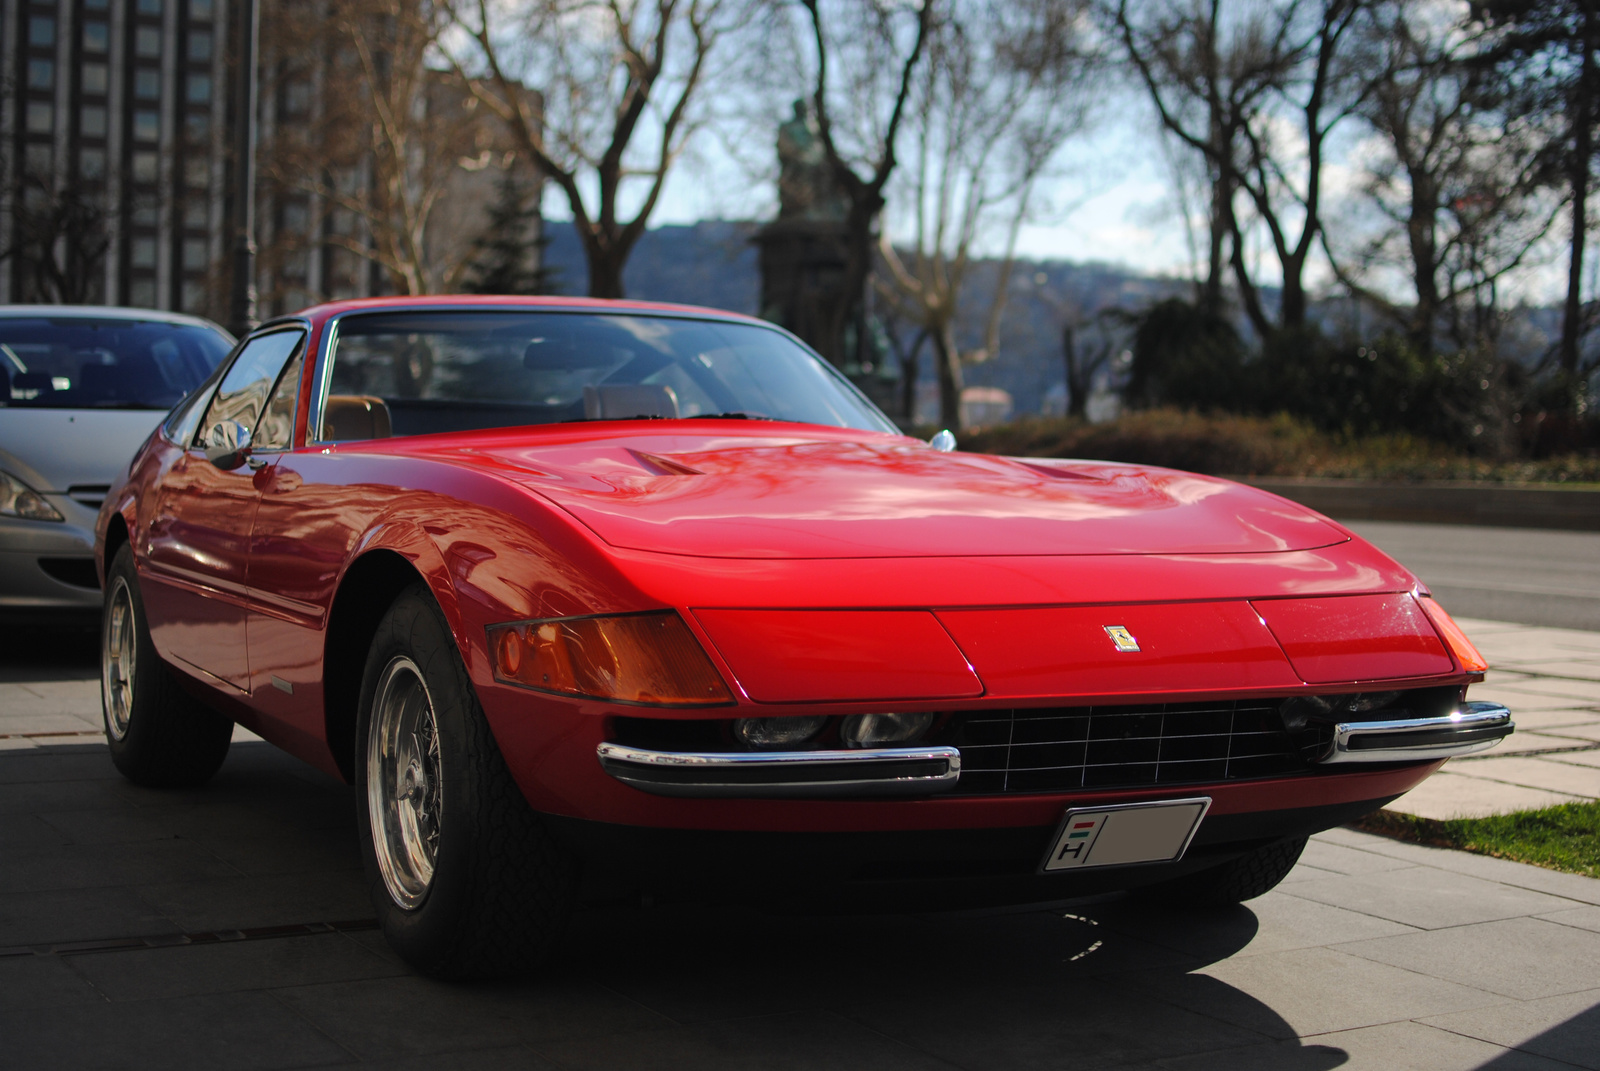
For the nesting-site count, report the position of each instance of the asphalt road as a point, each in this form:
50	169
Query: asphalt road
1527	575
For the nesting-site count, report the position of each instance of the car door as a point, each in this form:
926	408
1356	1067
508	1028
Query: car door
198	547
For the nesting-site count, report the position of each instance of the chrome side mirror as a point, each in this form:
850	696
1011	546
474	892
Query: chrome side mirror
943	441
228	445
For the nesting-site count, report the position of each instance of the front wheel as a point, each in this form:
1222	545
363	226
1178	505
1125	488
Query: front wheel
159	735
466	881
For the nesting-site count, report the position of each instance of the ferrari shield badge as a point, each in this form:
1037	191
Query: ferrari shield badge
1123	639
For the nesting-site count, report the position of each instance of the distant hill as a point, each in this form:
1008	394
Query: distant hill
714	263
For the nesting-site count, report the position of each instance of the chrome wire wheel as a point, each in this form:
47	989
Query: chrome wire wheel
403	788
118	657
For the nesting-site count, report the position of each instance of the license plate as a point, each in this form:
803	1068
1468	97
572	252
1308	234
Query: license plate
1120	835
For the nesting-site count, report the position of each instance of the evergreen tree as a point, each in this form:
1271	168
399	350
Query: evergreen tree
508	258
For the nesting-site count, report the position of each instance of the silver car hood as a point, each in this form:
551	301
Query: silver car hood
54	449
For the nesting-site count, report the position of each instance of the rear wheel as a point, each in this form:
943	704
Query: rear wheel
466	880
1245	878
158	733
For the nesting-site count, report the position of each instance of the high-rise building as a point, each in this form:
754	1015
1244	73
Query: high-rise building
116	178
112	119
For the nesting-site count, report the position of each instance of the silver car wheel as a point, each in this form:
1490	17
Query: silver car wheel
403	789
118	654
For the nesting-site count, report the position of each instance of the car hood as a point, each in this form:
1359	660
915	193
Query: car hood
55	449
776	496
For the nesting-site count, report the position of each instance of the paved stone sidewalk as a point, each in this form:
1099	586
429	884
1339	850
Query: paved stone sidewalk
1550	678
1372	954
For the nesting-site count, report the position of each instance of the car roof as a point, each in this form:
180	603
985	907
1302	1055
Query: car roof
104	312
319	313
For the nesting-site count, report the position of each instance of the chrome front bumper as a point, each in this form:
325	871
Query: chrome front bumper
892	771
1474	727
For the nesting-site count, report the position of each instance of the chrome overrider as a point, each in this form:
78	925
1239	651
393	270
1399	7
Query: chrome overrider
1472	727
888	771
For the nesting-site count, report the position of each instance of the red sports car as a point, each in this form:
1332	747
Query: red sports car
598	598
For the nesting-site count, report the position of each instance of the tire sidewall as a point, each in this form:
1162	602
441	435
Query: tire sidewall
414	628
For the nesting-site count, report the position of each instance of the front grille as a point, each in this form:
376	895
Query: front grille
1055	749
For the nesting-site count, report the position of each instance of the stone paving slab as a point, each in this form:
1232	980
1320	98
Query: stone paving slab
1372	954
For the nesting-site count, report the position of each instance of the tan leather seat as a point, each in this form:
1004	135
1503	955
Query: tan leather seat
346	417
624	401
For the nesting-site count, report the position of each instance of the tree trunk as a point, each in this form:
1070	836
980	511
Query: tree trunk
1077	385
1582	148
1420	234
950	378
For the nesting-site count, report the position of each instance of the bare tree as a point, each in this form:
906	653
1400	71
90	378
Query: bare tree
1457	185
622	83
865	56
59	239
1002	88
1231	82
392	139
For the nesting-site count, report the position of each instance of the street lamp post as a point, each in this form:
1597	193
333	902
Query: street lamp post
242	302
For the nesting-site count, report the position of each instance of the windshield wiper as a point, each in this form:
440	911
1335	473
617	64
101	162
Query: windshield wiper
735	414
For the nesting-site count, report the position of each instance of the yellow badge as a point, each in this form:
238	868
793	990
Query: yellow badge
1122	638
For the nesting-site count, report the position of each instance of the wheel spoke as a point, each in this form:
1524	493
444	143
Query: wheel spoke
403	782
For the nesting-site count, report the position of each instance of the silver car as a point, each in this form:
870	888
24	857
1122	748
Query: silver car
81	388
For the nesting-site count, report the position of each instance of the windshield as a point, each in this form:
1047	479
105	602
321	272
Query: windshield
64	362
411	373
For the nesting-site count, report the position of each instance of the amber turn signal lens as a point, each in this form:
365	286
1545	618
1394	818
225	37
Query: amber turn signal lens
1454	638
631	658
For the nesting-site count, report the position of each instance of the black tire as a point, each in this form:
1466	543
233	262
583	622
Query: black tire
159	734
1245	878
498	888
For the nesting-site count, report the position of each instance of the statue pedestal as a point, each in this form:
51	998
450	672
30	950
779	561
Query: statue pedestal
802	285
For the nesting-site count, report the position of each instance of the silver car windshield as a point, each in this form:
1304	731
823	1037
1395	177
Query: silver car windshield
66	362
413	373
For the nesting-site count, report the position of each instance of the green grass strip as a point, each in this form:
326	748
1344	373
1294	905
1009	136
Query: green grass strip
1565	837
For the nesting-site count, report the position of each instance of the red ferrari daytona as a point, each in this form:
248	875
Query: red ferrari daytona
607	598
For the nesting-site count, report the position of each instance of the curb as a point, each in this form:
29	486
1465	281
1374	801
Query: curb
1442	501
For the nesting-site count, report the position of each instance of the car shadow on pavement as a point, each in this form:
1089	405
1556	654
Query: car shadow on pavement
63	653
251	900
1576	1041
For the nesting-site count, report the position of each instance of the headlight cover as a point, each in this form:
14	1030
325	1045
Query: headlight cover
649	659
17	499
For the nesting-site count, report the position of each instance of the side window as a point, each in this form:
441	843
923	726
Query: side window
242	397
277	424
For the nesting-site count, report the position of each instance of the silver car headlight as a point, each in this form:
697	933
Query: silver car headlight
17	499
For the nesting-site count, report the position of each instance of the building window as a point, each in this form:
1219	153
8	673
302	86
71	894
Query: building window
142	252
195	214
93	121
39	160
95	5
92	164
197	125
295	217
194	296
146	126
195	256
146	167
149	7
199	89
41	74
41	117
296	98
142	293
95	78
41	32
147	42
196	174
147	83
199	48
200	10
96	37
145	214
